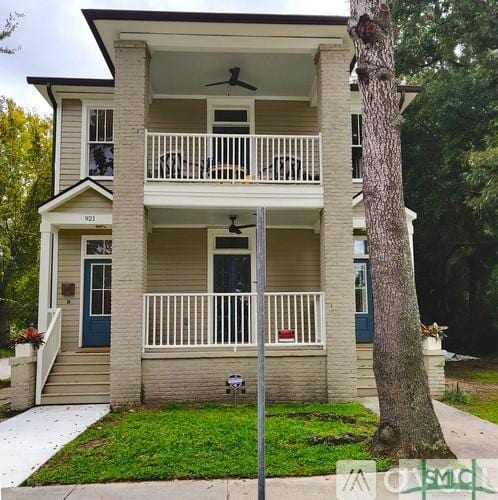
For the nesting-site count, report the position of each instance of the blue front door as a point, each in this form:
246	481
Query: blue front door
363	301
97	303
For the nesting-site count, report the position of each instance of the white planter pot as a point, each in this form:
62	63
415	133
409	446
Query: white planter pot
431	343
24	350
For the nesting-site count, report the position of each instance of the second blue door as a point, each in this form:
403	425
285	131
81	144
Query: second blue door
97	286
363	301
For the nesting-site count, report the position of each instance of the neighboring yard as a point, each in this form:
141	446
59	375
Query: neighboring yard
6	352
212	441
478	379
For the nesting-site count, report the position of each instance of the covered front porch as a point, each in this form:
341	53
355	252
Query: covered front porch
200	291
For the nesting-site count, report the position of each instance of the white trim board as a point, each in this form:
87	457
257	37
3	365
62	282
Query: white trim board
72	193
216	195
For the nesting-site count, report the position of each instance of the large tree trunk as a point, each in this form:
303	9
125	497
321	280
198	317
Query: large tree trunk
408	426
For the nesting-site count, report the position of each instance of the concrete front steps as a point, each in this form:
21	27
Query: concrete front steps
78	377
364	363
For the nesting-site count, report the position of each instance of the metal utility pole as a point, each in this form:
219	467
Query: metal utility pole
261	277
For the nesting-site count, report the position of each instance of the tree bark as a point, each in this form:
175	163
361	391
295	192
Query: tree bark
408	426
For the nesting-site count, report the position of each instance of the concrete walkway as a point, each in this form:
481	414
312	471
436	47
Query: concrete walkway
297	488
466	435
28	440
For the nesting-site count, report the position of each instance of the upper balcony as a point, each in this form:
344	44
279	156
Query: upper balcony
233	158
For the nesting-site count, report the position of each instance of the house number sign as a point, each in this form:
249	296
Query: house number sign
90	218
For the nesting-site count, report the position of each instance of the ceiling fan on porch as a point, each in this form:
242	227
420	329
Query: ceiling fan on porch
234	81
233	228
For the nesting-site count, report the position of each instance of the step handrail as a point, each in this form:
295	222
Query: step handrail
48	352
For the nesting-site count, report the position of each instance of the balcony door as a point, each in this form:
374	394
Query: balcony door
230	155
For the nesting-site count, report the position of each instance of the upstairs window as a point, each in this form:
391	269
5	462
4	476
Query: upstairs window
100	148
357	149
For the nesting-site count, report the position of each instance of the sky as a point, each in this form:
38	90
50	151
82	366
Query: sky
55	40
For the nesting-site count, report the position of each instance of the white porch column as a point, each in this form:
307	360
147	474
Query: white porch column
45	275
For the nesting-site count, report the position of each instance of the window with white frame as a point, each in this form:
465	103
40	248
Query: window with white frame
360	287
100	142
98	247
356	144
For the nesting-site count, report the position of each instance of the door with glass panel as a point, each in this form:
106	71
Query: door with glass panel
97	285
364	318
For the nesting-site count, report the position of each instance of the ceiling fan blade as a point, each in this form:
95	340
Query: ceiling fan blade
216	83
245	85
246	226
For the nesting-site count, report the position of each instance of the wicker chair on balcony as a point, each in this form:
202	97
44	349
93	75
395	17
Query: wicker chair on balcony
173	166
283	168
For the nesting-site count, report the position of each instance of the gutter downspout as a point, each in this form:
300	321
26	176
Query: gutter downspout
54	145
54	131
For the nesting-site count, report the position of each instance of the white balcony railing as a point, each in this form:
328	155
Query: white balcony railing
223	319
48	352
233	158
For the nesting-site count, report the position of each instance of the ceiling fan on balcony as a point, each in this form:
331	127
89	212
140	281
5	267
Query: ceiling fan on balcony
234	81
233	228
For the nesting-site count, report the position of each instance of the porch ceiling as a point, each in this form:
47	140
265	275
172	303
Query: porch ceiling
219	217
273	74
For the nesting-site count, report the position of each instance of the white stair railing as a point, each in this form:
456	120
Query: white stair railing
48	352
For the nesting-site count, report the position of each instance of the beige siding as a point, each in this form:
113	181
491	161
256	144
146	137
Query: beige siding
357	187
70	156
359	210
89	200
293	260
69	257
178	115
177	260
285	117
272	117
70	159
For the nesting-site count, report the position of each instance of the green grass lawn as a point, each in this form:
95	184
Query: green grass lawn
479	379
6	352
212	441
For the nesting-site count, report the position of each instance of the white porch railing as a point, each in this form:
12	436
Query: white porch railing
233	158
48	352
228	320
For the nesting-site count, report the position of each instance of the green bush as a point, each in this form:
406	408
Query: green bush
456	395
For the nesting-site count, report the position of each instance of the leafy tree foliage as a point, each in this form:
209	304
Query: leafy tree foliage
450	163
11	23
25	176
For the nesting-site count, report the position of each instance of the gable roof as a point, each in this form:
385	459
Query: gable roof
358	199
73	191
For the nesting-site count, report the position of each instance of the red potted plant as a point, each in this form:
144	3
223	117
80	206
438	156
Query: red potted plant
27	341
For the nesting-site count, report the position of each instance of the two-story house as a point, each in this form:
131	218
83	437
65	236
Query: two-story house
147	279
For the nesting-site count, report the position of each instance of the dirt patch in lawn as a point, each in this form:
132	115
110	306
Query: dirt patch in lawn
335	440
94	443
324	417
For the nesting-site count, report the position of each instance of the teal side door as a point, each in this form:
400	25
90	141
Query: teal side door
364	317
97	303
